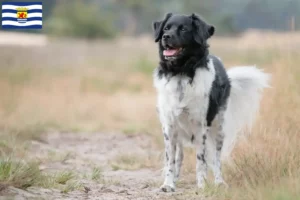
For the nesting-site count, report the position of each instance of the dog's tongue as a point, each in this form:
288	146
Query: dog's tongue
170	52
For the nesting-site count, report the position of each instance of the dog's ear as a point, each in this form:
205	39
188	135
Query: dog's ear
202	31
158	27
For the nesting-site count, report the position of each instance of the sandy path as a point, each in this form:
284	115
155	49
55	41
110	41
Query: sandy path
82	152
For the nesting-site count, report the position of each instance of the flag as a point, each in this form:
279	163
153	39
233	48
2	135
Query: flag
22	15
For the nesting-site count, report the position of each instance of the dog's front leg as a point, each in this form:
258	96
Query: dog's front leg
170	139
219	145
179	159
201	164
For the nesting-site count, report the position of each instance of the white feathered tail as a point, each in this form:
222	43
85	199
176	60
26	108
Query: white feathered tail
247	84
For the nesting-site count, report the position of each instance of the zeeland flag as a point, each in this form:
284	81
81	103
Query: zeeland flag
22	15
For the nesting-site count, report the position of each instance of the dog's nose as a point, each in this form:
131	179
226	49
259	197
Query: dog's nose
166	36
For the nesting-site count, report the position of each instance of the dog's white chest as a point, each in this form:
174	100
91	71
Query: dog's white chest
182	102
176	95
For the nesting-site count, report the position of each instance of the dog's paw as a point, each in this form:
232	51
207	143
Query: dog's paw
167	188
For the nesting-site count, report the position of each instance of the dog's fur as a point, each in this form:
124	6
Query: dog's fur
199	102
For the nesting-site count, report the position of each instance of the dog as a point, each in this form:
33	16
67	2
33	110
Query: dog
200	102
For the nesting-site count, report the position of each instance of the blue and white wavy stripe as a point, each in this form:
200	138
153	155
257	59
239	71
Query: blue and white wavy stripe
34	18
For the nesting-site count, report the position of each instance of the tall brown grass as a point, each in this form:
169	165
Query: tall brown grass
81	86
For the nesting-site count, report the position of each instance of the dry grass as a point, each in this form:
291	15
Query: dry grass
19	174
134	162
83	87
96	174
64	176
23	174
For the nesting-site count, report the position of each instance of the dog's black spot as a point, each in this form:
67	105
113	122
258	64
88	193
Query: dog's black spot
220	140
219	148
171	171
203	157
185	109
167	156
174	162
198	157
166	136
204	139
219	145
193	138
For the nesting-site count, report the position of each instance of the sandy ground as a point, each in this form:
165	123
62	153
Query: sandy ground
22	39
84	151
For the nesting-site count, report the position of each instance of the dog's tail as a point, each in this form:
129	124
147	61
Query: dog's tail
247	84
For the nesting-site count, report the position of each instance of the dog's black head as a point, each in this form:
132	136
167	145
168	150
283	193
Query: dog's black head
180	34
181	38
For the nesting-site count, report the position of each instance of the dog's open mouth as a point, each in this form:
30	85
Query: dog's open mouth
171	52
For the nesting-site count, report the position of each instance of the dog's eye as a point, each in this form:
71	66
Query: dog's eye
183	29
166	28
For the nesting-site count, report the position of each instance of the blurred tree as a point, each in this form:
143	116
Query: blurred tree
134	13
213	12
268	14
80	19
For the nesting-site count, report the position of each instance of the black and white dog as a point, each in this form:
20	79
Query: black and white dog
199	102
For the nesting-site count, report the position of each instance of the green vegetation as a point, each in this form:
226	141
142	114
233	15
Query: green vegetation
79	19
20	174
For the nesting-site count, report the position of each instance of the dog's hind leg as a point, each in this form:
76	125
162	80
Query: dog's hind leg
201	150
217	169
179	159
170	139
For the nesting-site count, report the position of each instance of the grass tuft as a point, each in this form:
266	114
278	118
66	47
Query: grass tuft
64	176
96	174
71	186
20	174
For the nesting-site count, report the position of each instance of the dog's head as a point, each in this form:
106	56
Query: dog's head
180	35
